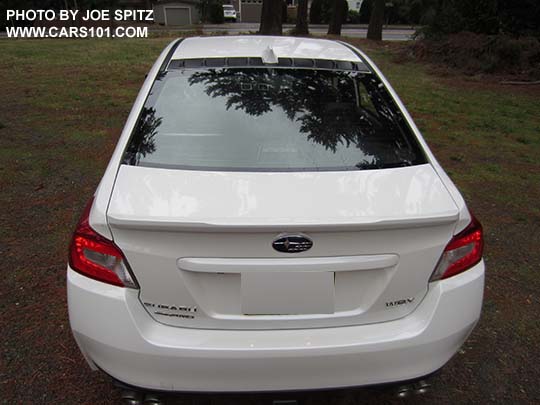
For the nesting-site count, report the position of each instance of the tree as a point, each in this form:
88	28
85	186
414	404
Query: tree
271	17
302	18
520	17
514	17
365	11
211	11
376	21
340	8
216	12
319	12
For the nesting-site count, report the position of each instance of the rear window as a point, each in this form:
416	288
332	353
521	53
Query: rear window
270	119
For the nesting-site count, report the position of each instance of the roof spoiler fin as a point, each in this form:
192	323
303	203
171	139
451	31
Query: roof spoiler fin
269	57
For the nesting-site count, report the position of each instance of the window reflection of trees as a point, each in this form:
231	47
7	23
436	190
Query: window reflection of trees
326	104
143	141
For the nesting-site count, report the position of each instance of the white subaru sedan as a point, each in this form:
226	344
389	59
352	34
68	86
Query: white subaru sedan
271	219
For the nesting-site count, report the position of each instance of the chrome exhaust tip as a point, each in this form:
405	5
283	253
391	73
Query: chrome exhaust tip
418	388
404	391
421	387
152	399
130	397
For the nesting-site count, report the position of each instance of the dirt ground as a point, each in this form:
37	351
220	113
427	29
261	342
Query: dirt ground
62	109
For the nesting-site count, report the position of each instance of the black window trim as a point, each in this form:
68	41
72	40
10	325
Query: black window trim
256	62
170	54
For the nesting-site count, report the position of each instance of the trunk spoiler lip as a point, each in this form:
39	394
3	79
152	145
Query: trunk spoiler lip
287	224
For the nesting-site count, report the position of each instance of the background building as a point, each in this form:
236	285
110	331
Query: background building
174	13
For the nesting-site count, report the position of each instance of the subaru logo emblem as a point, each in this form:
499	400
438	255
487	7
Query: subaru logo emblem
292	243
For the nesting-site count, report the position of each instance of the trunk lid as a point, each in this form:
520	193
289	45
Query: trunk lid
200	244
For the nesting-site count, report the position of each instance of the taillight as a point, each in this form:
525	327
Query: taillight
462	252
97	257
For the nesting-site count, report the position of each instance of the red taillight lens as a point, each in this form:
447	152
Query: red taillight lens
97	257
462	252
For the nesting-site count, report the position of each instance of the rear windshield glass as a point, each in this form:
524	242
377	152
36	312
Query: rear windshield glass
270	119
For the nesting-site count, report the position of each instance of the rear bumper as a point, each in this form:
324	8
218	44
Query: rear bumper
116	334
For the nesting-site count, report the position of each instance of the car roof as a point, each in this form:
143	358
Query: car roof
255	45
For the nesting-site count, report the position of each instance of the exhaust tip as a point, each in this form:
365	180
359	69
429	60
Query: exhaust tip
418	388
151	399
421	387
130	397
404	391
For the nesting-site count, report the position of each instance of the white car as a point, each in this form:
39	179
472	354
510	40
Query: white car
229	13
271	219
